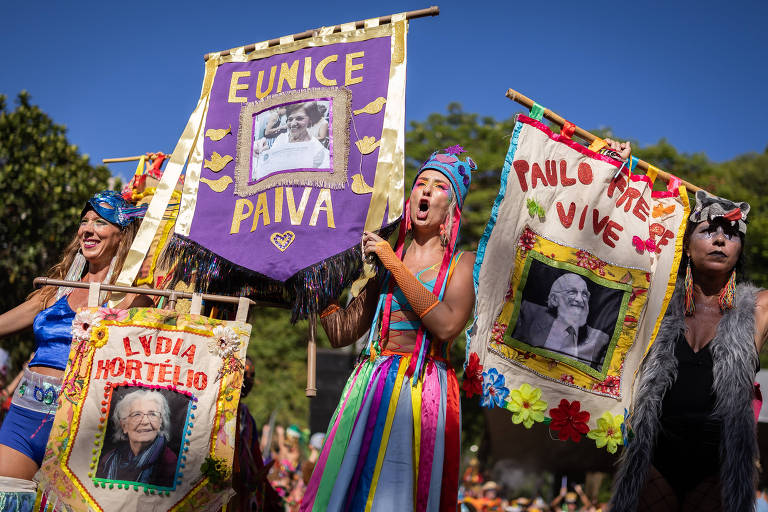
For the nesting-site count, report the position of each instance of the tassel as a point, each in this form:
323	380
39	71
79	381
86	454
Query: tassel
690	307
422	345
728	293
399	248
308	291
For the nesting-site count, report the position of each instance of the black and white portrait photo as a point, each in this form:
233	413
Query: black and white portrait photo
567	314
144	436
291	136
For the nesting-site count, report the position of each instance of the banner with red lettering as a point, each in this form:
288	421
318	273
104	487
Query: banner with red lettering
147	413
573	274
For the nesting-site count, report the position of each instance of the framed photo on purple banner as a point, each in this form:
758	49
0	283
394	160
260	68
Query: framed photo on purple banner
297	137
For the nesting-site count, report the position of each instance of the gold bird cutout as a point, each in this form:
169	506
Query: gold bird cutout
217	162
373	107
217	134
359	186
219	185
367	144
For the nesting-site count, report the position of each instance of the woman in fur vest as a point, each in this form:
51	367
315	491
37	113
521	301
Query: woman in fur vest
693	441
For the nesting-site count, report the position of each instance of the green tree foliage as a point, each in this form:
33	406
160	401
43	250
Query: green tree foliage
279	353
44	183
486	141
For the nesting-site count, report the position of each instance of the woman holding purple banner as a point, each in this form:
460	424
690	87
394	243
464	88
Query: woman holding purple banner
393	443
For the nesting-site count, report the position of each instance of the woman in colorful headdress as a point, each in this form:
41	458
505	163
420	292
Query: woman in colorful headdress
692	442
108	224
393	443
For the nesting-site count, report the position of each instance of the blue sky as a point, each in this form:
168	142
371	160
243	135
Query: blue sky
124	76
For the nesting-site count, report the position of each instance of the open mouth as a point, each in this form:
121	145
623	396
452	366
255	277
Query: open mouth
89	243
423	209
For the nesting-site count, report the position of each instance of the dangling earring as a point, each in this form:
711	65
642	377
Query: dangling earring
690	307
408	216
443	235
74	273
728	293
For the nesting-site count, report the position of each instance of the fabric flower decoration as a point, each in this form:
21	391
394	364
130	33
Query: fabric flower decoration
472	383
494	392
225	341
527	240
608	431
82	324
569	421
99	335
525	405
117	315
455	150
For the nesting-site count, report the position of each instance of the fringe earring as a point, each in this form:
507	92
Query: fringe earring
728	293
690	307
443	236
74	273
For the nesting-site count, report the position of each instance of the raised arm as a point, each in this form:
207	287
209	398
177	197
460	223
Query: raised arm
20	317
344	326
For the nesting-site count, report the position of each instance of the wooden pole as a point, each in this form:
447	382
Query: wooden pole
410	15
312	358
125	159
584	134
173	295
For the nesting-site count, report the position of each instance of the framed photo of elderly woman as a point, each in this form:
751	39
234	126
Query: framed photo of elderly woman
144	437
295	138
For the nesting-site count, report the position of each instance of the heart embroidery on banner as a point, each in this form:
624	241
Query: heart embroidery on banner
282	240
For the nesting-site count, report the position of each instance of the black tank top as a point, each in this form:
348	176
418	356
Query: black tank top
688	444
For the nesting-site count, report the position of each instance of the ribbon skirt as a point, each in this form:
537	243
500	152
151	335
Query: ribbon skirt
391	445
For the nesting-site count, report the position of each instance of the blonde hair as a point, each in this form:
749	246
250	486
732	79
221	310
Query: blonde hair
59	271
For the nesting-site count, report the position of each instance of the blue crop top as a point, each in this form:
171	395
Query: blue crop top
400	303
53	335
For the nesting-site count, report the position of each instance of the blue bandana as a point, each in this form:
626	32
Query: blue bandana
112	207
458	172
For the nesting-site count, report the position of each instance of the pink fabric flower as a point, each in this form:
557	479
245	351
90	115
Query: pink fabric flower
116	315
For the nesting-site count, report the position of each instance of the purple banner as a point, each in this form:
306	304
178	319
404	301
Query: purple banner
290	152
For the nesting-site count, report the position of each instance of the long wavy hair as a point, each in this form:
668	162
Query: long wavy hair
59	271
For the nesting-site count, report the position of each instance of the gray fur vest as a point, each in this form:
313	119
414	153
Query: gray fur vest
734	362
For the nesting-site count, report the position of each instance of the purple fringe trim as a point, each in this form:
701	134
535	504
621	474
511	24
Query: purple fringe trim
307	292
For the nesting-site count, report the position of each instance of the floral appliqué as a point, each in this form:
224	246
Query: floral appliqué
226	345
608	432
569	421
115	315
610	385
472	383
527	240
526	406
494	392
455	150
587	260
225	341
99	335
497	334
83	323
